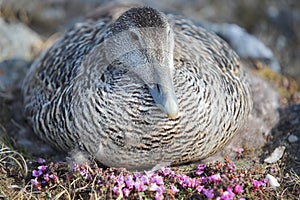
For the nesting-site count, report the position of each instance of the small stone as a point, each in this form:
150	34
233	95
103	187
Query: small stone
272	180
293	138
276	155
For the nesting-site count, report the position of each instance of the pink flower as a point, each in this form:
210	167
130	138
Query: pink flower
37	173
168	172
126	192
149	173
200	169
192	183
116	190
209	193
203	180
228	194
257	183
199	188
120	180
35	183
159	196
144	179
238	189
83	172
153	187
160	189
53	177
157	179
139	186
41	160
215	178
232	167
129	181
112	177
240	151
42	167
76	168
46	177
174	189
160	192
184	180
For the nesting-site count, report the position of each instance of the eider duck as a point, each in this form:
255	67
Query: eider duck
138	89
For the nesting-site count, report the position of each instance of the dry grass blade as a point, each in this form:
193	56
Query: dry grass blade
65	192
292	181
12	158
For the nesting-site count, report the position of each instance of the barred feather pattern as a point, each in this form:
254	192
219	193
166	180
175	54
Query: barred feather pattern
75	99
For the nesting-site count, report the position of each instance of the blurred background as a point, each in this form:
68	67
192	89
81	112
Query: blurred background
275	23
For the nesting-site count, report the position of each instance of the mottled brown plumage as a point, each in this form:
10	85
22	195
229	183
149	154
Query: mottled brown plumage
143	90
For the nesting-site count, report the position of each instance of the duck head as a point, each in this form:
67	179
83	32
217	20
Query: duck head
142	40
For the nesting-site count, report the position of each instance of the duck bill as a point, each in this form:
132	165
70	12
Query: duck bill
165	98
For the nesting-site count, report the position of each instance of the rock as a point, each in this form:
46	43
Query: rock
272	181
19	45
245	44
17	41
48	16
11	72
292	138
276	155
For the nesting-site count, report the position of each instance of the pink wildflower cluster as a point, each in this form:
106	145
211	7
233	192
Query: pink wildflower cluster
83	170
41	177
154	181
219	181
257	184
125	184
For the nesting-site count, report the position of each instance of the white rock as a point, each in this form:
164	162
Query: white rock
245	44
272	180
276	155
17	41
293	138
